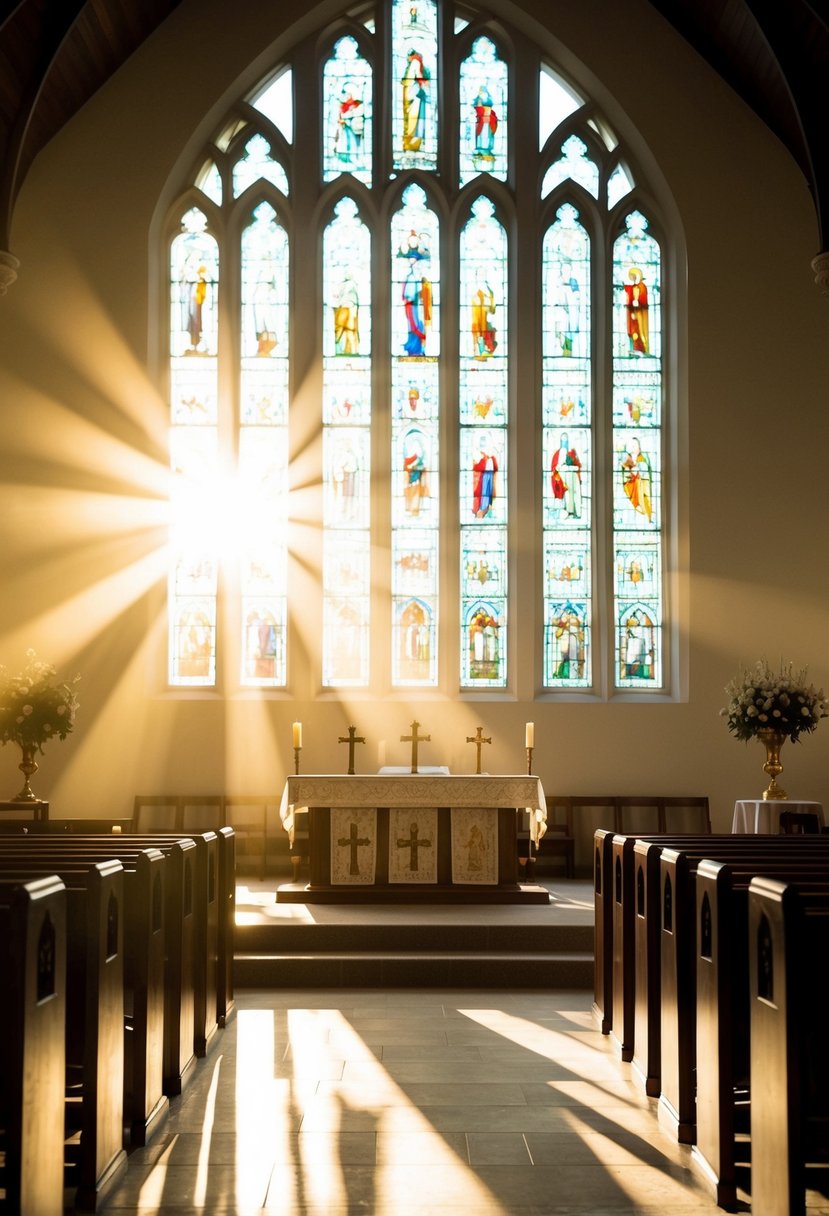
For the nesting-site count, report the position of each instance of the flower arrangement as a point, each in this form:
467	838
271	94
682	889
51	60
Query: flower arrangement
760	699
34	706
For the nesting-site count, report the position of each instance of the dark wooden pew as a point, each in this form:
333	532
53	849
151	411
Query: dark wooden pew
678	951
32	1022
723	1081
145	1104
603	928
180	915
94	1025
787	946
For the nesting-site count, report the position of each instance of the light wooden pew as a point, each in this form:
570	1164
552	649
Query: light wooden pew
32	1029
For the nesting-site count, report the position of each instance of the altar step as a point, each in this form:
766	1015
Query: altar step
439	955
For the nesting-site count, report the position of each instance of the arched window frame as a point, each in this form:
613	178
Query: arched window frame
452	202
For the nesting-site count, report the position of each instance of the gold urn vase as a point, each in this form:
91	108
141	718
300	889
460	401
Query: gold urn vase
772	740
28	767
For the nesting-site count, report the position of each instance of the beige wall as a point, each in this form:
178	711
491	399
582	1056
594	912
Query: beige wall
82	457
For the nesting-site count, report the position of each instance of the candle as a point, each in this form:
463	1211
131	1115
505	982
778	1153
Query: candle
116	829
529	735
297	734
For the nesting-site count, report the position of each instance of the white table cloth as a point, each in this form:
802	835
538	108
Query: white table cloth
763	817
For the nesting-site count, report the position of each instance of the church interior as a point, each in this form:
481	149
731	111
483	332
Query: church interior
619	522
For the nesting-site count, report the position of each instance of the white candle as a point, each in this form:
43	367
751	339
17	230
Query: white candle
297	734
529	735
116	829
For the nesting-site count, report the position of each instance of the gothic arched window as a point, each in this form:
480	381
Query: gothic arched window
442	295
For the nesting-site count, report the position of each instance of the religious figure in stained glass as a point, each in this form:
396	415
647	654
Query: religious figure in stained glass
348	140
568	632
565	476
483	644
484	477
265	305
344	472
566	305
482	327
417	293
415	92
415	486
414	639
637	649
346	317
194	297
637	478
486	124
195	645
262	644
636	310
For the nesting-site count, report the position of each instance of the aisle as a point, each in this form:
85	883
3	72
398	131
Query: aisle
406	1103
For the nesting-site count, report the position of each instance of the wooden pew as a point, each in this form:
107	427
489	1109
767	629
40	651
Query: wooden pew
32	1023
603	928
180	915
787	948
678	949
723	1083
94	1024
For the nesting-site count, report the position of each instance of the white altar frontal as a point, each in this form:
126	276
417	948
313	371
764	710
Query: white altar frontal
413	837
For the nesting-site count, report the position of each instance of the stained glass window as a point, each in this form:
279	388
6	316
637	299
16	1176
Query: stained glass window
415	460
347	113
567	452
483	112
346	349
263	448
414	84
194	451
484	416
637	455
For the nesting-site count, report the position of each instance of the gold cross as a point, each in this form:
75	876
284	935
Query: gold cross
351	739
478	739
414	738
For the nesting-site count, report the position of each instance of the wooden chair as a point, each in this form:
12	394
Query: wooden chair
201	812
558	840
155	813
799	823
247	814
694	808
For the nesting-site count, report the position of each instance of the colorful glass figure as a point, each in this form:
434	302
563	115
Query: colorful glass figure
483	112
414	73
347	98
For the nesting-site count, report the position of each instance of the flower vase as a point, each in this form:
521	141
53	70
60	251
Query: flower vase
28	767
772	740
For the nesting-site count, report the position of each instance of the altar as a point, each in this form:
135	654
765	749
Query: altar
413	838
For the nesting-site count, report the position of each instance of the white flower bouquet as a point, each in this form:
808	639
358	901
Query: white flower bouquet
34	706
760	700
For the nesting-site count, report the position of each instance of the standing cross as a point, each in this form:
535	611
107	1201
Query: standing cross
478	739
352	840
414	738
351	738
413	844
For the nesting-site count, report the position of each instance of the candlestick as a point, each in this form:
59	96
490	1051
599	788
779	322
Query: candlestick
297	750
529	735
529	762
297	733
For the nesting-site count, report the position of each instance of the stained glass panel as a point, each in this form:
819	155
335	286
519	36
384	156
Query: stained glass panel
484	418
194	279
414	84
257	164
637	455
415	517
484	93
567	452
348	113
346	414
574	164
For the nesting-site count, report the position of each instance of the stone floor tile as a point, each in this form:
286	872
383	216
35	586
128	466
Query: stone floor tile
497	1148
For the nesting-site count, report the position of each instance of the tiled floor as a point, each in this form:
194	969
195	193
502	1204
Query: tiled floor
411	1102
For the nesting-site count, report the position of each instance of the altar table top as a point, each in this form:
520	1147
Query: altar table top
414	790
763	817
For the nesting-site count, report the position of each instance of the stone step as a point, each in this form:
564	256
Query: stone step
401	938
415	969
